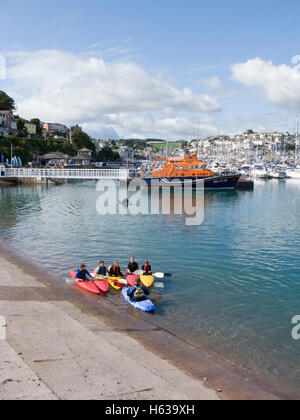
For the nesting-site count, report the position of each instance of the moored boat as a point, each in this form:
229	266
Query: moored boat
188	171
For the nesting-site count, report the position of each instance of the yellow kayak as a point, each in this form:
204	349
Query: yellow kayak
113	282
148	281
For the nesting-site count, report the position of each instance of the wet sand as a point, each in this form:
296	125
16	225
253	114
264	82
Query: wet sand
62	343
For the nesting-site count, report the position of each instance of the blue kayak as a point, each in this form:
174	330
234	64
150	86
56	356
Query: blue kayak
145	305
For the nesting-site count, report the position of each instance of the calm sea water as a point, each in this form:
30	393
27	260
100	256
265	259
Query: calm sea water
235	285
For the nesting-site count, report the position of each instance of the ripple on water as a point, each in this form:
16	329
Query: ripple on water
235	284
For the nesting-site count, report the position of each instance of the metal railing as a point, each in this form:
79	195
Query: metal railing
65	173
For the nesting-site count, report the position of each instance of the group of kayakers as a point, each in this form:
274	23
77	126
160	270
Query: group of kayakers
137	292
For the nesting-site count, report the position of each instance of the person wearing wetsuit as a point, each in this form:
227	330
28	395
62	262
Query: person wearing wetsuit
138	292
83	275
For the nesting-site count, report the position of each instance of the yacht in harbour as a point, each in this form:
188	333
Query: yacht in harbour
260	172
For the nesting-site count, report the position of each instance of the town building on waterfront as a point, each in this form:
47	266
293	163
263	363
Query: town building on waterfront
83	158
54	159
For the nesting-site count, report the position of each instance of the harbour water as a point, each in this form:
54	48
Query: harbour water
235	285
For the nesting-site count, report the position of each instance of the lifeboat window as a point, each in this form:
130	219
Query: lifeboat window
181	167
196	166
191	166
176	168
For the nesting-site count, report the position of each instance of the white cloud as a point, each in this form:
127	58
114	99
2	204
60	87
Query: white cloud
212	83
59	86
278	84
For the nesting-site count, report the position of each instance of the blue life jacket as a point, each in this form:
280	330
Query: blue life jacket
101	271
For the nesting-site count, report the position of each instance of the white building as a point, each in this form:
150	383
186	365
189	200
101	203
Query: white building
7	123
127	154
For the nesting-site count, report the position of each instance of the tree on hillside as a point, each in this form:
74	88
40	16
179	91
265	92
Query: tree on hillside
6	102
81	140
20	124
108	155
37	122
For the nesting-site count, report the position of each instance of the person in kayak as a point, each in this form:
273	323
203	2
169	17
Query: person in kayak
83	275
115	270
101	270
138	292
132	267
147	269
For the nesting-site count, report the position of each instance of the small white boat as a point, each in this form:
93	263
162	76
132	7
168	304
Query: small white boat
260	172
277	174
293	173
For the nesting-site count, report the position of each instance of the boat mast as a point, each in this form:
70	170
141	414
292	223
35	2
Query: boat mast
296	141
198	135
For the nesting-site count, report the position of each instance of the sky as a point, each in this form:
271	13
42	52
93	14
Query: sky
162	69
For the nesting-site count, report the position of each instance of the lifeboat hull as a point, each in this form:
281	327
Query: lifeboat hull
212	183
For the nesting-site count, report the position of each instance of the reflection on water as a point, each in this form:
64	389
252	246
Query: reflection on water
235	285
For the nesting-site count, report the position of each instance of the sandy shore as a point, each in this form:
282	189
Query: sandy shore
62	343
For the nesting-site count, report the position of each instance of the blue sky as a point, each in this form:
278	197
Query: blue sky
179	43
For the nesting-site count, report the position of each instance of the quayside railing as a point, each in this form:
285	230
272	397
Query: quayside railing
120	174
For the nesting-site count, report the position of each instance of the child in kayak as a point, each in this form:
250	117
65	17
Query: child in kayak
83	275
132	267
147	269
138	292
115	270
101	270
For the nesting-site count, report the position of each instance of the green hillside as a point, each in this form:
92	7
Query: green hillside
163	145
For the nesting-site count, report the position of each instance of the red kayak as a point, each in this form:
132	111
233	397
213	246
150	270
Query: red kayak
87	286
101	282
132	279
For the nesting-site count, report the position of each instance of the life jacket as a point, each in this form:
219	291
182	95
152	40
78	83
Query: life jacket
101	271
115	270
147	268
139	293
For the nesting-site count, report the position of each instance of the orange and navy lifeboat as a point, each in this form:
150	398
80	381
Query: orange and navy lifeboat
188	171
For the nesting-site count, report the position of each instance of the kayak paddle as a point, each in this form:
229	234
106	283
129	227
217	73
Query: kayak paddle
162	275
157	275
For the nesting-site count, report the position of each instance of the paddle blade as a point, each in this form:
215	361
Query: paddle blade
138	273
122	281
159	275
70	281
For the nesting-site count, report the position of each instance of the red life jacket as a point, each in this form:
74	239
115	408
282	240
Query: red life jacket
147	268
